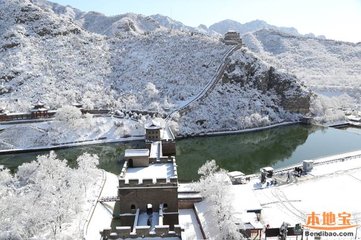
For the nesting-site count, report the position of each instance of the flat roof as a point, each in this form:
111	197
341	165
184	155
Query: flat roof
153	171
244	199
156	150
236	174
136	153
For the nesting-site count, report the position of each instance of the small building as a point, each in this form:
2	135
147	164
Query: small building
147	201
3	114
153	131
266	172
39	111
232	38
77	105
237	177
137	157
307	165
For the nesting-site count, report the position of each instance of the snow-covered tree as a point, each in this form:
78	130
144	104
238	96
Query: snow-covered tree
87	165
213	185
38	201
68	114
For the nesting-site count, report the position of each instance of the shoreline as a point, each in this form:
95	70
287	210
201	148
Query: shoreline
234	132
136	138
141	137
71	145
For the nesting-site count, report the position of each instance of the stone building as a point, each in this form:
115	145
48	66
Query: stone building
39	111
147	192
3	114
137	157
232	38
152	132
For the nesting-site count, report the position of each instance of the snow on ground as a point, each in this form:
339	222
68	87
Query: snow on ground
251	94
330	68
327	188
103	213
76	227
207	223
50	133
63	63
188	221
159	170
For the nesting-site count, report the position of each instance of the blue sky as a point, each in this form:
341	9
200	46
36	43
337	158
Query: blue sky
336	19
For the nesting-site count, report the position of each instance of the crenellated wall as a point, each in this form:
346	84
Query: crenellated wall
141	231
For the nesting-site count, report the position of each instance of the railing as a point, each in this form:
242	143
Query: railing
91	213
210	85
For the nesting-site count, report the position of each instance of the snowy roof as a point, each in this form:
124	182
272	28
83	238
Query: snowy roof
156	170
292	202
39	110
267	169
17	113
76	104
39	104
136	153
156	150
166	134
152	125
244	199
235	174
189	222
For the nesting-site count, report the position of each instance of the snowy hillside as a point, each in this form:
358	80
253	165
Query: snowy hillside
251	94
47	57
331	68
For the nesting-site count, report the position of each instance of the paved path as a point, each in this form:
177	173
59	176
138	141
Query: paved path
102	216
210	85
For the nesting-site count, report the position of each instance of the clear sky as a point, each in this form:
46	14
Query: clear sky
336	19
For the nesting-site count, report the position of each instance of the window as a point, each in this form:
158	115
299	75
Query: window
132	208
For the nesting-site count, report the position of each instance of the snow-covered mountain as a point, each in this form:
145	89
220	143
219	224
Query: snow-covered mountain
252	94
331	68
226	25
50	57
117	25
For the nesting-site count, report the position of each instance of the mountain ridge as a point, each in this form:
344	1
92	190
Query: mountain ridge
49	57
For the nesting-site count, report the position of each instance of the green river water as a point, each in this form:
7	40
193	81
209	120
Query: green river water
246	152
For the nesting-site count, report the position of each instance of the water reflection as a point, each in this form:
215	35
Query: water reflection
110	155
247	152
244	152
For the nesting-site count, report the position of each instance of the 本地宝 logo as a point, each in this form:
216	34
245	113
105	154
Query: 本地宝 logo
329	221
330	225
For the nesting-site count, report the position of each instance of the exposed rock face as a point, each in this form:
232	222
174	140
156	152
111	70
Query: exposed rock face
247	72
251	94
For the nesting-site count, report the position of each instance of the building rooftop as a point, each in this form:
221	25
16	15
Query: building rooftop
156	150
243	204
136	153
39	105
153	171
166	134
152	125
